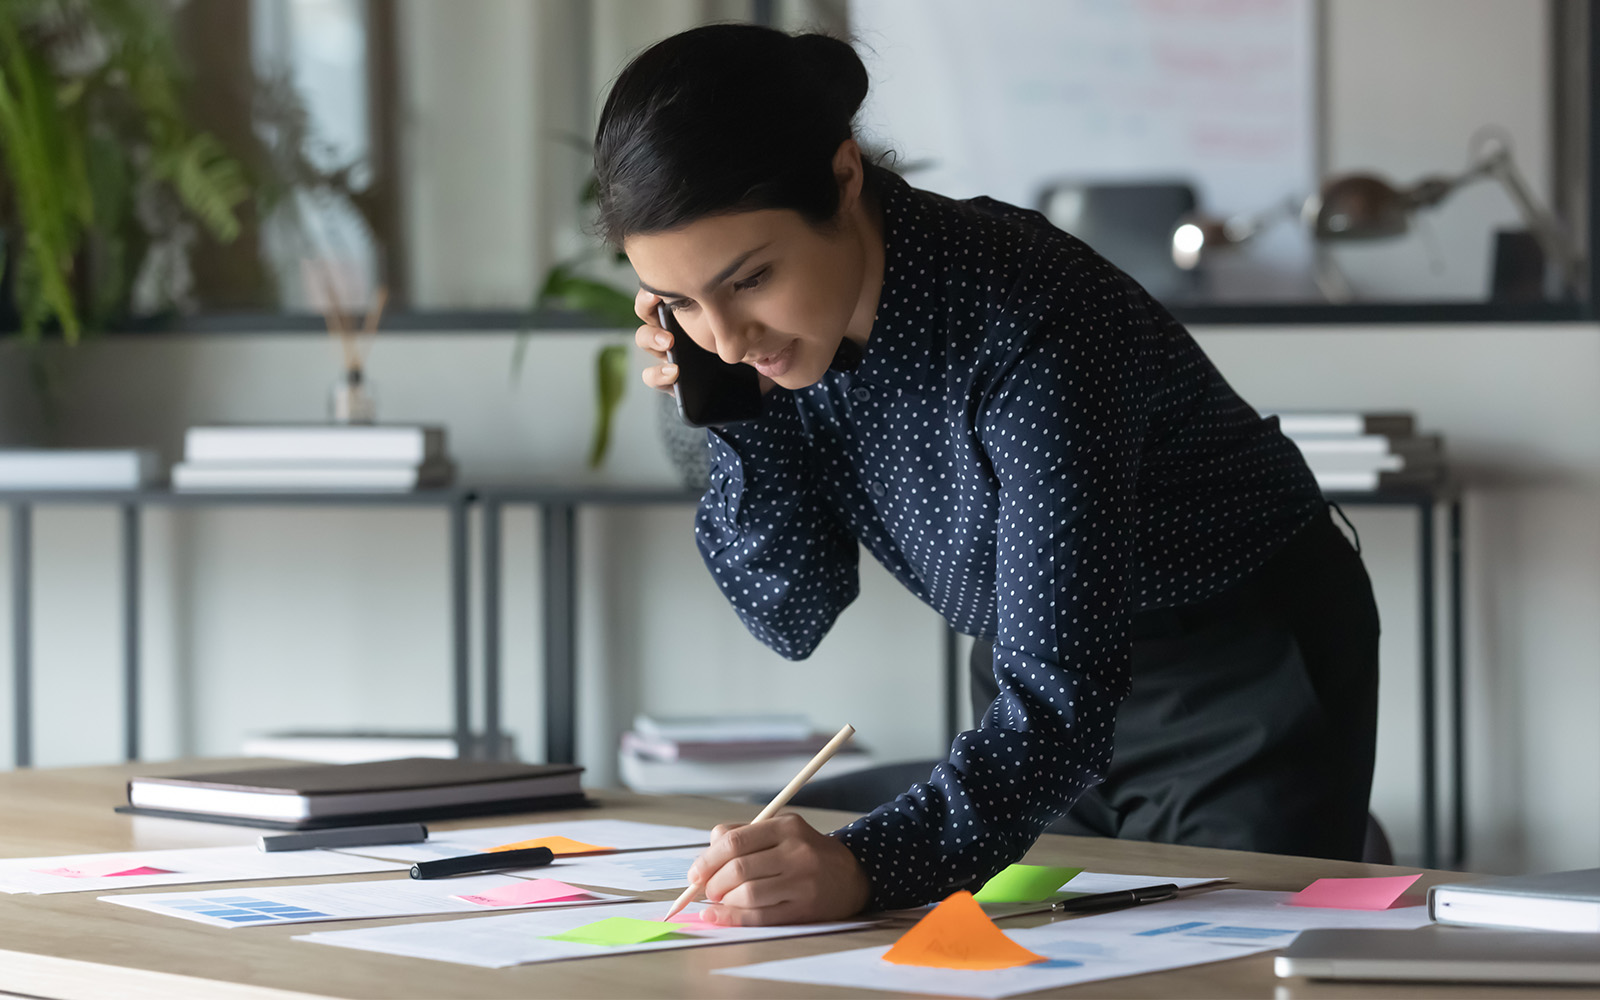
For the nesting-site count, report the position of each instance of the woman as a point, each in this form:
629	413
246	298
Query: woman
1030	444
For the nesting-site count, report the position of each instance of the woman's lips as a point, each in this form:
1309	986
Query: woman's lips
774	365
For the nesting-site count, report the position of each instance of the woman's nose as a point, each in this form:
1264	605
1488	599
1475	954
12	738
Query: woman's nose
732	338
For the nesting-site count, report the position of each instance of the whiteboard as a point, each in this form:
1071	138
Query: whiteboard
1007	96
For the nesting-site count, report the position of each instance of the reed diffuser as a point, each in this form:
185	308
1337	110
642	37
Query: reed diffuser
351	400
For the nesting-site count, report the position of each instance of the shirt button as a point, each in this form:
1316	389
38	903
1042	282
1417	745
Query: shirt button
862	393
878	489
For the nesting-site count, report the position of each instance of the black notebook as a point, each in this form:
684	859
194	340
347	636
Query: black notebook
308	796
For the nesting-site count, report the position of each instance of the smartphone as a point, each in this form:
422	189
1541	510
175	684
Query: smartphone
709	391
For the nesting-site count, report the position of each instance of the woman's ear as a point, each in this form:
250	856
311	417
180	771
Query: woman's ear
849	172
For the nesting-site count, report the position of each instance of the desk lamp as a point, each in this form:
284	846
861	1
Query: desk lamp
1360	206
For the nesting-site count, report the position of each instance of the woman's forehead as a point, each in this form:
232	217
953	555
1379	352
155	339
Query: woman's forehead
693	254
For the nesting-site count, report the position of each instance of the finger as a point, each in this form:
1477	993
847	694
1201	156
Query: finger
660	377
654	340
785	912
734	842
760	893
644	306
760	866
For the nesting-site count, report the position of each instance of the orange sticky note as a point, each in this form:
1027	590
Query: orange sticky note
957	934
558	846
1354	893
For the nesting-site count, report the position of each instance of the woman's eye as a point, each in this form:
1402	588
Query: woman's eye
750	282
677	307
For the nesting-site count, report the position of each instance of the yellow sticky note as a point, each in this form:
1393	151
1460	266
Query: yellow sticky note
615	931
957	934
1025	884
558	846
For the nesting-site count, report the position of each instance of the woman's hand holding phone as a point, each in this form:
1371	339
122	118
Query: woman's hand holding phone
655	341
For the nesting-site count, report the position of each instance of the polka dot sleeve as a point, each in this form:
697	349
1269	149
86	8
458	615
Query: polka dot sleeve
778	554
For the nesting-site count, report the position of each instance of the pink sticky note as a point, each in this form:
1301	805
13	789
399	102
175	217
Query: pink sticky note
538	890
1354	893
102	869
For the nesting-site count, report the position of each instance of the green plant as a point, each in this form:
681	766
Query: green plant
564	288
567	287
101	165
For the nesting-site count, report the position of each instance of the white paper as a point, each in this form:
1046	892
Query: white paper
1209	927
622	835
635	872
1244	916
295	904
181	865
1071	958
521	938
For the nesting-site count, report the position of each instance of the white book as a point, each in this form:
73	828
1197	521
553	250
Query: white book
707	728
759	775
315	443
1359	444
1346	423
1559	901
367	477
1366	481
1347	482
1334	461
77	468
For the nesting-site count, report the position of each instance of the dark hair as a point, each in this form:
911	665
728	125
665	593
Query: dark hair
725	118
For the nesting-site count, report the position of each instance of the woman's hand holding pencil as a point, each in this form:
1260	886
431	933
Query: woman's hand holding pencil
778	869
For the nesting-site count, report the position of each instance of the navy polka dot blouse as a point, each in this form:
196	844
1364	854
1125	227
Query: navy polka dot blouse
1035	448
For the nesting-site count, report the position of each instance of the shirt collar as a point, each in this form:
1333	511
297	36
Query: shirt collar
910	318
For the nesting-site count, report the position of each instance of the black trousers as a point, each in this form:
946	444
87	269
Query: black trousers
1252	717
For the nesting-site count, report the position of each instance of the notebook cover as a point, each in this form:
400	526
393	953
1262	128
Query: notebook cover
406	774
544	803
1582	885
1443	954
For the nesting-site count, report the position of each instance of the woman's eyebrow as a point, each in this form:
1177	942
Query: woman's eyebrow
721	276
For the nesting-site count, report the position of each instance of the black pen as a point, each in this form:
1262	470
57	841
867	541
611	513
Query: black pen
494	861
1122	897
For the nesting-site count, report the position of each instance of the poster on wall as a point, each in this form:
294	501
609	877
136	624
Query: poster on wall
1014	98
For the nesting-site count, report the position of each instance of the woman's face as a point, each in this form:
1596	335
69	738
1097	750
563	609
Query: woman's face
765	288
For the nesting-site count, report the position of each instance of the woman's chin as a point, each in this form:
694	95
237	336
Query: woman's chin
798	378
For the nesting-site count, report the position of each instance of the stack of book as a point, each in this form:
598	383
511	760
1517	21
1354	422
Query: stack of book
313	457
734	756
309	796
1354	452
68	469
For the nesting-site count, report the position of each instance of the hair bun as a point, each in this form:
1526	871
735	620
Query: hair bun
834	68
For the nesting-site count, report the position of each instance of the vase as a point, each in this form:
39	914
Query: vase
688	448
351	400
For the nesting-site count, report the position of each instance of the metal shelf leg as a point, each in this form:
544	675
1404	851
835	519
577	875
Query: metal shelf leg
21	633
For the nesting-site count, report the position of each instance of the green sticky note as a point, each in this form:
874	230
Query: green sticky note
1024	884
614	931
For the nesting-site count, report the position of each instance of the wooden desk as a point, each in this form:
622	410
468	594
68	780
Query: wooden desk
71	946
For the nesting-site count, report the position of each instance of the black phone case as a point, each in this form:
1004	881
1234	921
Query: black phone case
709	391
